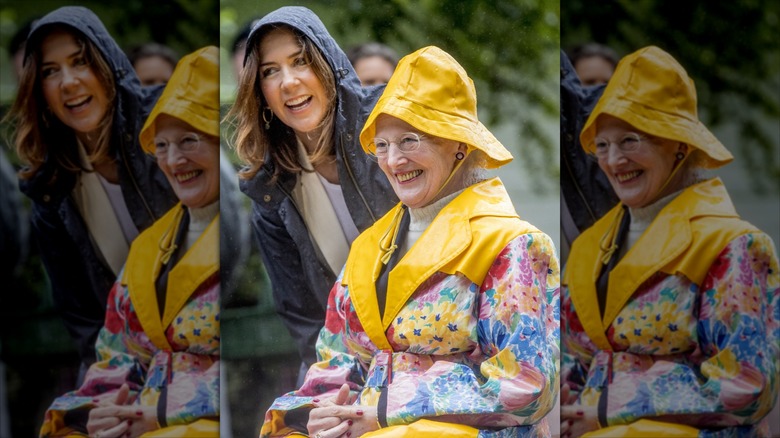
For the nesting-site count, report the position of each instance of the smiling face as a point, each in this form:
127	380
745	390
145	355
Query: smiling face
289	84
194	172
71	88
417	176
638	176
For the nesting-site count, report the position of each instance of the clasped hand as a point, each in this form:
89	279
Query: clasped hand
576	420
116	418
337	417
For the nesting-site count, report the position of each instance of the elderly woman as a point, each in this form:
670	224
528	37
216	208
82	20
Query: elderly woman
77	116
444	321
298	112
670	302
158	354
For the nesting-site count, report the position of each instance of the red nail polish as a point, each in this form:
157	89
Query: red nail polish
139	413
349	422
315	400
359	412
129	422
580	413
349	433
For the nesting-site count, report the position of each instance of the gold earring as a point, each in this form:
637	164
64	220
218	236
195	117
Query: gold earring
268	119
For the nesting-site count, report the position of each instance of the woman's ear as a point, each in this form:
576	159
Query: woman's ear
463	147
682	147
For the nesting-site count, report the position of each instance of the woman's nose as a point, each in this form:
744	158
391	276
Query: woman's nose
394	155
69	77
615	155
174	155
289	79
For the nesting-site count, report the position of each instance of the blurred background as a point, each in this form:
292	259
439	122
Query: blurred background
510	48
37	356
731	51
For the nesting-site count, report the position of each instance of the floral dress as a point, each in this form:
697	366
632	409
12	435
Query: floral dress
170	362
691	327
470	333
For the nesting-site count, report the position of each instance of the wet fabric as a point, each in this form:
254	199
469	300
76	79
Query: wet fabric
469	336
175	353
691	326
80	279
584	188
300	276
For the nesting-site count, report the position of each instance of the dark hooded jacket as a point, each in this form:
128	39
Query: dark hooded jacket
300	277
586	194
81	280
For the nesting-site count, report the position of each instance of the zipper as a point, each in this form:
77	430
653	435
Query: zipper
354	181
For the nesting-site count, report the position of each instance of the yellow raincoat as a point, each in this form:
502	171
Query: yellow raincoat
687	344
170	361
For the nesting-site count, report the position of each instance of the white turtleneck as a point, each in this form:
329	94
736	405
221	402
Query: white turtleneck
421	218
642	217
200	218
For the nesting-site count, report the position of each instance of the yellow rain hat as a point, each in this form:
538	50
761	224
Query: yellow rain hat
432	92
191	95
652	92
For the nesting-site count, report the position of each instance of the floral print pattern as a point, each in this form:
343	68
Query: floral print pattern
704	355
481	355
127	355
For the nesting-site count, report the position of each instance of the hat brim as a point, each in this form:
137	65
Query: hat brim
659	124
438	124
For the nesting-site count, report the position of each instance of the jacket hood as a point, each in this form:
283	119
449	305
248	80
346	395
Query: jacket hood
309	24
432	92
651	91
367	191
86	23
146	190
191	95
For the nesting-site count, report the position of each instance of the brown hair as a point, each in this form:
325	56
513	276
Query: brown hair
252	141
37	129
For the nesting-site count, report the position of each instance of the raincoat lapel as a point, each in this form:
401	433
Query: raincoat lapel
582	272
199	263
685	238
141	269
143	266
447	245
360	275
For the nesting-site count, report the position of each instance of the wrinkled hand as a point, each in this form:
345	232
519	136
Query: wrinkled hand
319	418
578	420
103	421
355	421
116	418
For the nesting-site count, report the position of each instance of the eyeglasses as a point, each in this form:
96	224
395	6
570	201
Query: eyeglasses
187	143
627	144
407	143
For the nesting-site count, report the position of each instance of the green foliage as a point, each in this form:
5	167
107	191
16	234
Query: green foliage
184	25
729	48
509	48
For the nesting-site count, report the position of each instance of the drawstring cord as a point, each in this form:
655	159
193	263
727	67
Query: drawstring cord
387	249
612	232
167	242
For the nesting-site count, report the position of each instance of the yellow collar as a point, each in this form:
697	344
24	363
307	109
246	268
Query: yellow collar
466	236
685	238
143	266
